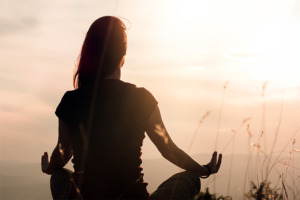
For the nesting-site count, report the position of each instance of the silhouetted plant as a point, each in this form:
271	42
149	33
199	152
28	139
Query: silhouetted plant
264	191
208	196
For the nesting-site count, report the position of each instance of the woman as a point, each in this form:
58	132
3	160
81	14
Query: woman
102	124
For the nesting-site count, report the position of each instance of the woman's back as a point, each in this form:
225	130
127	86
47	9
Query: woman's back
117	130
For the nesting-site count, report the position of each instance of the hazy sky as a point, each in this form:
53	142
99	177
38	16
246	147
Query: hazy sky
184	52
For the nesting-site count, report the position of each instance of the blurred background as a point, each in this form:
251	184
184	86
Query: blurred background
225	74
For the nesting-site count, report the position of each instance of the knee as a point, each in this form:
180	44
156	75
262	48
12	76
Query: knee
190	178
59	181
183	185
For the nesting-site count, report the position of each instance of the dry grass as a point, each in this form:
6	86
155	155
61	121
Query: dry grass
258	170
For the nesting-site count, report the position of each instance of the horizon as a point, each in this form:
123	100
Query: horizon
18	176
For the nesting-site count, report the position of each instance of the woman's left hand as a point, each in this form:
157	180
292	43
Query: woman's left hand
45	163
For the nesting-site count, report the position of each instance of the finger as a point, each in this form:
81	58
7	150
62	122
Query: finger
214	158
42	161
219	162
45	158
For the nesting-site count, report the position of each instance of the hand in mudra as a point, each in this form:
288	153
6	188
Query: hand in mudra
215	163
45	163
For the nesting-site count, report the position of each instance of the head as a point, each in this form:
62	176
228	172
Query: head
103	51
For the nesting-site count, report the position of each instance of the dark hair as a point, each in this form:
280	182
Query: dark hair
102	50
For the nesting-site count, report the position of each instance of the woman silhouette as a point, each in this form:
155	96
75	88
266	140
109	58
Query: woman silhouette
102	124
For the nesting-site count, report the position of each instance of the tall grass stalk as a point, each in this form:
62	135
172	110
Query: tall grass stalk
220	115
249	134
262	135
293	173
230	166
276	133
219	125
283	186
197	129
263	117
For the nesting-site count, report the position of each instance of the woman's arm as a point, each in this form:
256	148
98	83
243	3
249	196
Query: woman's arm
160	137
62	153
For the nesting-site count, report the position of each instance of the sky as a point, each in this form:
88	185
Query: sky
235	60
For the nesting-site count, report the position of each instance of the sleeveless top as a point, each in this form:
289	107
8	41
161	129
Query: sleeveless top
107	137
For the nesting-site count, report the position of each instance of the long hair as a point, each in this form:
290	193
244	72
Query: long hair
102	50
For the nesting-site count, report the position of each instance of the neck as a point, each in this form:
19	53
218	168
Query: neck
115	75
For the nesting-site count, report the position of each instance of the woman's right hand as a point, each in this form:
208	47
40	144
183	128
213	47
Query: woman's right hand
215	163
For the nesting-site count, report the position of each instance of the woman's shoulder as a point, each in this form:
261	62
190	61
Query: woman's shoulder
70	107
143	94
73	97
71	94
138	89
